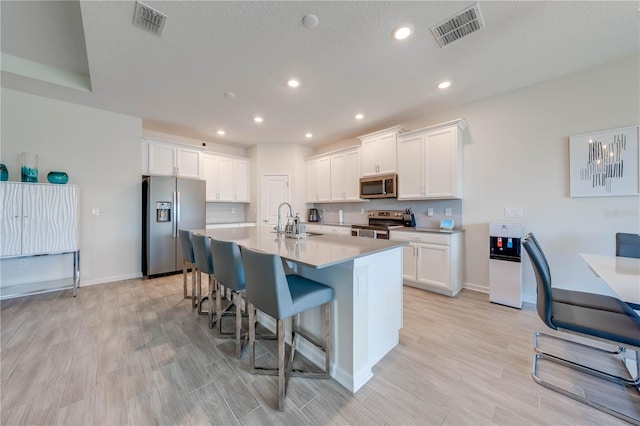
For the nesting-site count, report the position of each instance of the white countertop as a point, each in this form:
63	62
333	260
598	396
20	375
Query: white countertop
317	251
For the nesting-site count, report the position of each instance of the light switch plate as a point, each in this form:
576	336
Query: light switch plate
513	212
447	211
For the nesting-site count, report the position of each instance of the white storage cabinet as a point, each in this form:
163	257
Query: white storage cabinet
227	178
430	162
379	151
38	219
168	159
432	261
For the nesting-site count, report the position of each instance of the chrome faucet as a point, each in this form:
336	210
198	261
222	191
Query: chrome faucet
279	226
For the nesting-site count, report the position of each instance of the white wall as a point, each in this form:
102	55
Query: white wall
100	151
516	155
278	159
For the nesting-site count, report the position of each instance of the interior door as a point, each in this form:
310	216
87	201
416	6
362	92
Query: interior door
275	190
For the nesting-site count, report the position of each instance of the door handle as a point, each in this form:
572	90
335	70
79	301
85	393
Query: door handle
174	219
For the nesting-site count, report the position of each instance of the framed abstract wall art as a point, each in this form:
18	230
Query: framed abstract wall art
605	163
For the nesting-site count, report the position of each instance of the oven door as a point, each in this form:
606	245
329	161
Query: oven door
366	233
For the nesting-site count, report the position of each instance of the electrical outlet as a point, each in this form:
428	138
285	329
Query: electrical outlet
430	211
447	211
513	212
95	211
361	211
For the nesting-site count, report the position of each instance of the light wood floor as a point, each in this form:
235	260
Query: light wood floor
133	352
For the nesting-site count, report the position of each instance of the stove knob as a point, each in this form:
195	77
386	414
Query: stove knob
370	213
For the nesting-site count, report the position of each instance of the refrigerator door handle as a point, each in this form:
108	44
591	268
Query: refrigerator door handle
174	219
177	213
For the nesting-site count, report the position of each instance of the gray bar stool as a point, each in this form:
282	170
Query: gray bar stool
284	296
204	263
188	262
230	274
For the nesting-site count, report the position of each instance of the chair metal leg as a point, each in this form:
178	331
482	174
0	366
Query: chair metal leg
237	300
327	338
594	404
194	293
211	290
634	381
184	277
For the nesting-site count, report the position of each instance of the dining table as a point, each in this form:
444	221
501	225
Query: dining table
622	275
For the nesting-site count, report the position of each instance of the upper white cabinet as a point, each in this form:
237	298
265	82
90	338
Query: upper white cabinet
430	162
345	175
38	219
334	177
379	151
319	179
227	178
167	159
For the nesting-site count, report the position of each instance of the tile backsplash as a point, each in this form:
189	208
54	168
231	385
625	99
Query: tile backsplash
226	212
356	213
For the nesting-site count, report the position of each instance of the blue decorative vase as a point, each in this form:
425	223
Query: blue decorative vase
29	167
58	177
4	173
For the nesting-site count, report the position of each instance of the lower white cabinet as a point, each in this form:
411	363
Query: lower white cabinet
38	218
432	261
328	229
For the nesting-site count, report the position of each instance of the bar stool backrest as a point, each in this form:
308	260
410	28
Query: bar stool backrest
228	261
202	253
266	283
186	245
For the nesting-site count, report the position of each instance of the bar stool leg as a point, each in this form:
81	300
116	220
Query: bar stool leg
252	336
184	277
237	300
194	286
327	337
281	371
211	290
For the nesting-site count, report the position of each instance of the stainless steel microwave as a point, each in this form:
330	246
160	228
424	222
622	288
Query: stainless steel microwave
384	186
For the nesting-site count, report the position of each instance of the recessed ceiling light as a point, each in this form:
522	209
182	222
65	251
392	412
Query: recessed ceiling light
221	132
310	20
359	116
308	135
444	85
402	32
258	119
292	82
229	95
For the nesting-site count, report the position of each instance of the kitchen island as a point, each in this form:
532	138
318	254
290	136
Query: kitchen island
366	276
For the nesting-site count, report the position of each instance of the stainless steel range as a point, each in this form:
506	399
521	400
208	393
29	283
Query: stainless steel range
380	222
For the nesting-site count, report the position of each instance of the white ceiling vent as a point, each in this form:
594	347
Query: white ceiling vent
462	24
149	19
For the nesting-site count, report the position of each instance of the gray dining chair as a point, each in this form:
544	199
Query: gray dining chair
611	327
283	296
579	298
628	245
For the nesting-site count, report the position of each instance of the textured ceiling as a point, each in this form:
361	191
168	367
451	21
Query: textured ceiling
347	64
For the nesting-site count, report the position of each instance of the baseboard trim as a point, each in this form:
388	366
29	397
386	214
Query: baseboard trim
475	287
114	278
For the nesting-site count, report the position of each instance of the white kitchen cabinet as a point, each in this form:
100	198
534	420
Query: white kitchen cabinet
336	230
227	178
167	159
319	179
345	176
432	261
38	219
379	152
430	162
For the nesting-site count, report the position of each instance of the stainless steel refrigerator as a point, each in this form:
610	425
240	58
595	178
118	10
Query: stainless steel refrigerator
168	204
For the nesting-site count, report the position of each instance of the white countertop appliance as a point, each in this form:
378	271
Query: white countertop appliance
380	222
